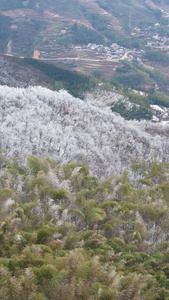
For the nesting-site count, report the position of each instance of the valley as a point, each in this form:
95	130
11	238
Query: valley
65	37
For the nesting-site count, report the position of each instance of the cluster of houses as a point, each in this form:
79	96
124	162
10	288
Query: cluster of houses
157	42
152	37
113	52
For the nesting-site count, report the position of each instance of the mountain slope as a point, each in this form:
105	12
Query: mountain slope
53	26
41	122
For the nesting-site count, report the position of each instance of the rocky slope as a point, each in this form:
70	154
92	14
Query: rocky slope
41	122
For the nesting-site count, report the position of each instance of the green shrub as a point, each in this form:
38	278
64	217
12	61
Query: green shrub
46	271
5	193
36	165
59	194
43	233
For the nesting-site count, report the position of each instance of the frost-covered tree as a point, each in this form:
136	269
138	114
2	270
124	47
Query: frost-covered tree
37	121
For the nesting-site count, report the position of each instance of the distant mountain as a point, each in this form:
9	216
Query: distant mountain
41	122
49	27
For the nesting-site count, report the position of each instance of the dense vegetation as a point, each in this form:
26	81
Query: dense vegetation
131	78
5	23
24	42
62	78
63	6
84	35
63	232
159	98
141	108
123	9
136	76
158	56
133	112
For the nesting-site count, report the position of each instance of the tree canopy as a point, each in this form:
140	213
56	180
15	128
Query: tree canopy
63	232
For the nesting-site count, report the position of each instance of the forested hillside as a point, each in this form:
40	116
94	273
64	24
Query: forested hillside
66	235
38	121
19	72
